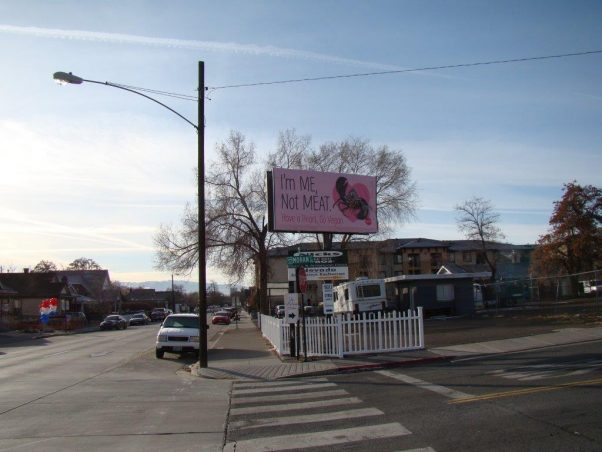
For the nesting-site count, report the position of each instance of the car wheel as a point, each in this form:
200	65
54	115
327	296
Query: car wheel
159	353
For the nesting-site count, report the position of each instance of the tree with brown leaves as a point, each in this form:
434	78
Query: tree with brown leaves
574	241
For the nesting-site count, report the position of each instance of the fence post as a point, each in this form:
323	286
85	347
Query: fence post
339	329
420	327
411	336
380	321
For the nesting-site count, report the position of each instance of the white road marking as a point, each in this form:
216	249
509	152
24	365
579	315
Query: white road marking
319	439
294	406
422	449
285	397
541	371
305	418
447	392
262	384
301	387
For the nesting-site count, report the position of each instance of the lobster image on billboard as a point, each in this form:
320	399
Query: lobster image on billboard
312	201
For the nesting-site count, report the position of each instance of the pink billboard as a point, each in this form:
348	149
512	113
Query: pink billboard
311	201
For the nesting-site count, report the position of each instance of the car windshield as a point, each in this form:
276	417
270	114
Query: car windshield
112	317
138	315
222	313
181	322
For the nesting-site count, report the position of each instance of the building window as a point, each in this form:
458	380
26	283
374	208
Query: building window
481	258
445	292
451	257
414	260
466	256
399	258
436	262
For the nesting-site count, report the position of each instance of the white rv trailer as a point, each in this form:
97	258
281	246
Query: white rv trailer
361	295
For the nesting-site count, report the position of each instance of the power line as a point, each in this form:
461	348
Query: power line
159	93
365	74
401	71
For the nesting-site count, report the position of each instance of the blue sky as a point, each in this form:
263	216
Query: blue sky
93	171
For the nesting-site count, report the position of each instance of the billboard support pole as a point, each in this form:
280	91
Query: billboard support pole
304	329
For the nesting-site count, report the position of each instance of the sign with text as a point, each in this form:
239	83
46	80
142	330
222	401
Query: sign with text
291	308
312	201
319	265
322	273
327	298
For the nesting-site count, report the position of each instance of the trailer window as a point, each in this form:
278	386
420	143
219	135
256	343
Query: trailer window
369	290
346	294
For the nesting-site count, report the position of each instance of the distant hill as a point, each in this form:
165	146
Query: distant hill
188	286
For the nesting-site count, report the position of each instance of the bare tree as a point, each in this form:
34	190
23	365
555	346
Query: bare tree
84	263
177	249
237	231
45	266
478	221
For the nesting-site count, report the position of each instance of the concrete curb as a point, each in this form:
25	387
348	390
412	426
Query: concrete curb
372	366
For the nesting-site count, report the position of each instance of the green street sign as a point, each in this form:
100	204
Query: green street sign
300	260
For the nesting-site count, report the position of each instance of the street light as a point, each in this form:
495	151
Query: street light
69	78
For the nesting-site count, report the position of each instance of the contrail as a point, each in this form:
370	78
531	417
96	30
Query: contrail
212	46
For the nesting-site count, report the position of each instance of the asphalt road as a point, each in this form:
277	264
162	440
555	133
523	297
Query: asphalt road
106	390
542	400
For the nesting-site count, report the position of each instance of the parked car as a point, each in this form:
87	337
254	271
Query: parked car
114	322
140	319
159	314
279	311
221	317
179	333
233	313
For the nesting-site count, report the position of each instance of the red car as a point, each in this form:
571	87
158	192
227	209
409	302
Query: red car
222	317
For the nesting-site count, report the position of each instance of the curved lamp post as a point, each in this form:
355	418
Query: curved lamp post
69	78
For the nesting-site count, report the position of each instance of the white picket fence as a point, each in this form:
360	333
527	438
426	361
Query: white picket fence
342	335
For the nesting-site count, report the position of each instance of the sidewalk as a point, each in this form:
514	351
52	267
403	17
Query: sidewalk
242	353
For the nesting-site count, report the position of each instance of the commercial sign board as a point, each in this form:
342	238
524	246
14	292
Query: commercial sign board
324	266
312	201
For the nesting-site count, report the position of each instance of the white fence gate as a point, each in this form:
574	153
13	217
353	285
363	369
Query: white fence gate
342	335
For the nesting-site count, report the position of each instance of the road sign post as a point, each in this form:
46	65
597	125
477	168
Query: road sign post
291	316
302	286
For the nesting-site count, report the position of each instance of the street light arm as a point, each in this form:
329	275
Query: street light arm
63	77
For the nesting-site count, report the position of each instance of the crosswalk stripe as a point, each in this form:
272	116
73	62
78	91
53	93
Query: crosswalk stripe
421	449
319	439
305	418
285	397
294	406
447	392
301	387
261	384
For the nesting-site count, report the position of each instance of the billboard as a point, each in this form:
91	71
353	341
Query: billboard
312	201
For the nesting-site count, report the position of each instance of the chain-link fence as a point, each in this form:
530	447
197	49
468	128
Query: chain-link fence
585	289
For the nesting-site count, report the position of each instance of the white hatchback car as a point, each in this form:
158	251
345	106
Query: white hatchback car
179	333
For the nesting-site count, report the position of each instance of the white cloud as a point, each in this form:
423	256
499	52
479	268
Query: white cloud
213	46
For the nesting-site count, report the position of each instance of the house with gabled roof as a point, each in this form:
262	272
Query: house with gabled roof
28	290
87	291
